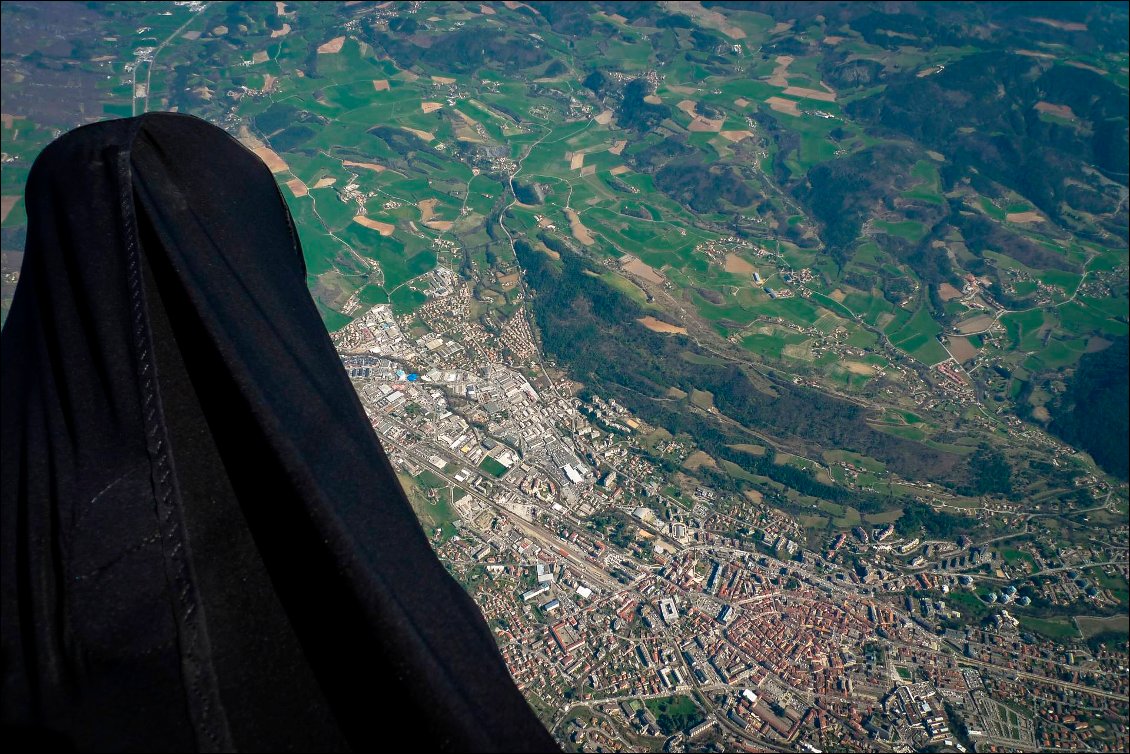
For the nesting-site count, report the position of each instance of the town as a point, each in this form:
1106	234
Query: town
706	622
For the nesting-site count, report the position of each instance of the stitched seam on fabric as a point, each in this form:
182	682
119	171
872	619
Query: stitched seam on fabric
289	225
331	521
418	635
204	701
124	554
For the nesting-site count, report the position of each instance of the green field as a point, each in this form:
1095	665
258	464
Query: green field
1116	585
674	713
492	467
1012	556
1093	626
433	512
1057	629
968	603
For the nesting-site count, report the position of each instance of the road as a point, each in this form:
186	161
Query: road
1002	311
543	535
153	61
997	669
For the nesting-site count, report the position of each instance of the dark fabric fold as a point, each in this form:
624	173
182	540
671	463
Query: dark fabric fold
203	544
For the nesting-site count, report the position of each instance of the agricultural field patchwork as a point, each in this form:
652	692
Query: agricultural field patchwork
823	275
